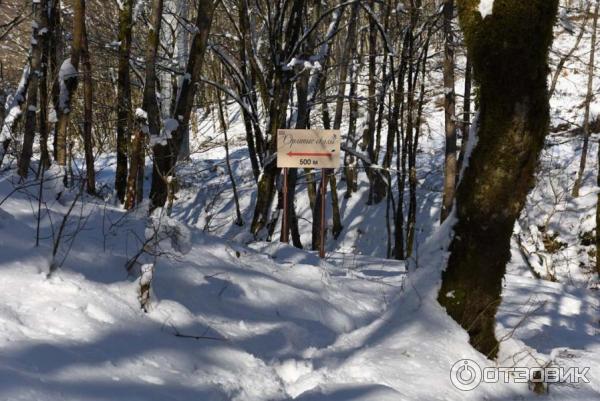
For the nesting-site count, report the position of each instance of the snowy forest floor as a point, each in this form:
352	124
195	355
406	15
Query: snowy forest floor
265	321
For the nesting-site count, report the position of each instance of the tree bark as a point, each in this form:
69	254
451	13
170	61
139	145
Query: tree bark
69	84
450	165
509	46
88	99
124	112
43	122
160	169
165	155
598	216
39	10
281	49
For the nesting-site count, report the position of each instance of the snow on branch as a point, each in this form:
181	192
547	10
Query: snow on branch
13	105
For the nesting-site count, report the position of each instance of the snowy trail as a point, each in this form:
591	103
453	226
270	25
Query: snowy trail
80	335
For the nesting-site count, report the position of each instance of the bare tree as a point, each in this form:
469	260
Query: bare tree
588	99
124	112
513	123
450	165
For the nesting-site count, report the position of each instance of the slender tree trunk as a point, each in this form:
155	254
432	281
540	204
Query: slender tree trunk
136	164
466	122
88	99
450	166
55	46
350	171
280	89
569	54
598	216
513	124
39	10
409	171
160	167
369	131
588	101
412	163
43	122
68	80
348	52
166	155
238	214
124	112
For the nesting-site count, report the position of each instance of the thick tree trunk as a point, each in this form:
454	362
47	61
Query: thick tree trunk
510	45
450	166
124	113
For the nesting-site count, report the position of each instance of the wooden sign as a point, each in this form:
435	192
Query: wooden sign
308	148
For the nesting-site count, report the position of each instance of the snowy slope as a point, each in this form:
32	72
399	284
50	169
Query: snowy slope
275	322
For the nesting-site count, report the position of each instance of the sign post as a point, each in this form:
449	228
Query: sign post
285	234
311	148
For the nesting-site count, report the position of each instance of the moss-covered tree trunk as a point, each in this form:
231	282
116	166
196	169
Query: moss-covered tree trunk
509	50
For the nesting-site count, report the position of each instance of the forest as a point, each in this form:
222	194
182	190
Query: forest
157	242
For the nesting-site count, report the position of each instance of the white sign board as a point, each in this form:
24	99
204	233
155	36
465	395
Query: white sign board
308	148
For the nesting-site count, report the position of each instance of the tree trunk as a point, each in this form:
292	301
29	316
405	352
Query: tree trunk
466	122
160	170
88	98
598	216
69	78
165	155
39	10
55	37
588	100
238	214
43	122
510	45
450	166
277	105
132	197
124	114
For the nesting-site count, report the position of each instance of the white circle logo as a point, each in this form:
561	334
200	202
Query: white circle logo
465	375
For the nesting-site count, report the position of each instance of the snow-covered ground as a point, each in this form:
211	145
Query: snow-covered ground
232	319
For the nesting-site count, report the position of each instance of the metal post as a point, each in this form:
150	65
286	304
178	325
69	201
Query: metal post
323	194
286	216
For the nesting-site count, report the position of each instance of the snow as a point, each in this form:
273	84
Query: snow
486	7
273	322
141	114
67	71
